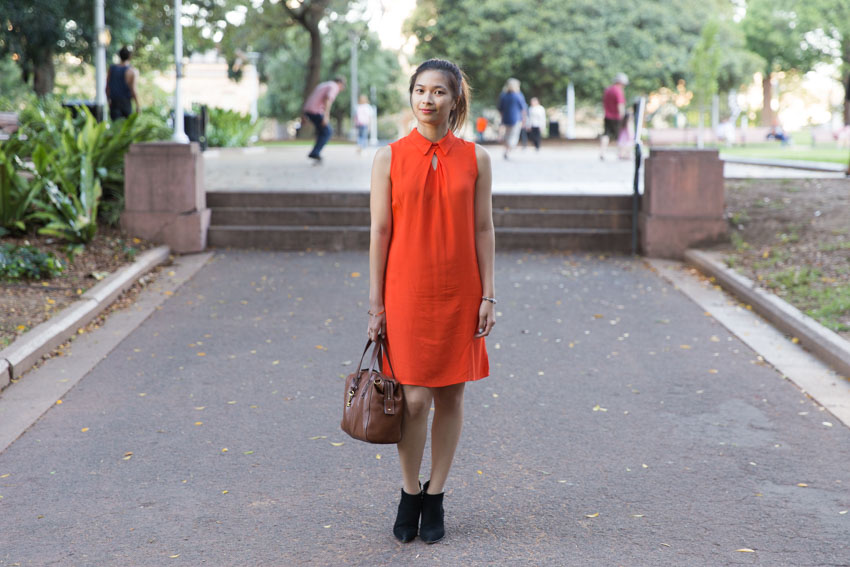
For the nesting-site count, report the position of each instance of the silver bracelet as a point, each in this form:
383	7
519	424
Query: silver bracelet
490	299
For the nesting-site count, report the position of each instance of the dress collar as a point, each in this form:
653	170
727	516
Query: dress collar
424	145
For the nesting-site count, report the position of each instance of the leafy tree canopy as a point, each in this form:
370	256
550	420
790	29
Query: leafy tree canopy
549	43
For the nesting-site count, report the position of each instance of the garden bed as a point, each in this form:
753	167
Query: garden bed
792	236
25	304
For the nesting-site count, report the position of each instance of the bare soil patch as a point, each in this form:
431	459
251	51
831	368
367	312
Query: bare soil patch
25	304
792	236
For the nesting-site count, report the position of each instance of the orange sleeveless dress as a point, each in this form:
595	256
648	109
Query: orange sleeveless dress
432	286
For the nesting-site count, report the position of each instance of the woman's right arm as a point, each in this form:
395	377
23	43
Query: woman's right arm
380	206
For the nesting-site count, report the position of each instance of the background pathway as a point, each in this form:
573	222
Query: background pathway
621	426
572	169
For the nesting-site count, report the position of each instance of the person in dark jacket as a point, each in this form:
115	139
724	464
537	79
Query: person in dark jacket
121	87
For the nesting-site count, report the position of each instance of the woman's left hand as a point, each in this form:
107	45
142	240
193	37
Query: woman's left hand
486	319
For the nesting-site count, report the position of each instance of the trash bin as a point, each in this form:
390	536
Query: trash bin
195	126
74	105
554	129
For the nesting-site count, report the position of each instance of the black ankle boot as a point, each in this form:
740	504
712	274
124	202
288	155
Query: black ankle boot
432	528
407	520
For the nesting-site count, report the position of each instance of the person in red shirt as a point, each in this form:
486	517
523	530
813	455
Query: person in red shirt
614	103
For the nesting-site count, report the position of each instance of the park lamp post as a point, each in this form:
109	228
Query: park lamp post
102	40
179	131
354	87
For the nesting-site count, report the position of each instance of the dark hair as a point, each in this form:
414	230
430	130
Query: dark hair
124	53
458	83
339	79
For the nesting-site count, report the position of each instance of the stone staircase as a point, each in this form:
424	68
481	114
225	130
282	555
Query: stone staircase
340	221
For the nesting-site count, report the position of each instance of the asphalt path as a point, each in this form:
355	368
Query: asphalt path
622	425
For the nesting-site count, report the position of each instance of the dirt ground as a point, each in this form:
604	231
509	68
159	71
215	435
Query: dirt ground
793	237
26	304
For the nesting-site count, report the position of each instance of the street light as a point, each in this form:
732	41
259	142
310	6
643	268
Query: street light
179	132
104	37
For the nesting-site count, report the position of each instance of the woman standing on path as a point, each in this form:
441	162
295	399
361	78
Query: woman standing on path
431	288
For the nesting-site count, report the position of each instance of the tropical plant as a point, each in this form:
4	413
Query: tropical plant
16	193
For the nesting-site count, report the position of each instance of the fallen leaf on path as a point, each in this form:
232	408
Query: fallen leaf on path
592	515
746	550
338	444
802	485
127	456
318	437
685	347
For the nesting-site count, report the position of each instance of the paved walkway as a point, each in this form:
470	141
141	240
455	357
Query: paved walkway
621	426
559	170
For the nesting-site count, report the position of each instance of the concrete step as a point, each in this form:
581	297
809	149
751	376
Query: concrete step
290	237
357	238
290	216
565	239
280	199
359	216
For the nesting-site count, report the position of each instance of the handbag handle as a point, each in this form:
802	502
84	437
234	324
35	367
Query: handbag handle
381	346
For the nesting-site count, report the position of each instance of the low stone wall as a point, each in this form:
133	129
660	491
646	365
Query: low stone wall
164	197
683	201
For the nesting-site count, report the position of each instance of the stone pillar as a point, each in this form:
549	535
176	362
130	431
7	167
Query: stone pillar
164	198
682	205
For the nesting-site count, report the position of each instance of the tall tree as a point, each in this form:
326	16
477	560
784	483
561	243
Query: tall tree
308	14
549	43
283	69
34	32
775	31
705	68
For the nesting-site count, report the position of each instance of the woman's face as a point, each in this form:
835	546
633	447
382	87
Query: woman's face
432	99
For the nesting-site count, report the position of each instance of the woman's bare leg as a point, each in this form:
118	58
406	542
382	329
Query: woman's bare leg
414	429
445	433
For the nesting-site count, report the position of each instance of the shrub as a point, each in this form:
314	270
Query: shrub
27	262
229	129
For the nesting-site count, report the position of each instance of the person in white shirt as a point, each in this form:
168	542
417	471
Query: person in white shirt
536	122
363	119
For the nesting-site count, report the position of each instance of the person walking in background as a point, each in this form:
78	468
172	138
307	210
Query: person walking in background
614	104
362	120
318	111
536	122
121	87
431	281
512	107
480	128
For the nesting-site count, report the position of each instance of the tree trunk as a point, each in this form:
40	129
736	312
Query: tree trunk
44	74
314	63
767	94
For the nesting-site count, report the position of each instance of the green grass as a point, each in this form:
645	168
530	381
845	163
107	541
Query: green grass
774	150
828	304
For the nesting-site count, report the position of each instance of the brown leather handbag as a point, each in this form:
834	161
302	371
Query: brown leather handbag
374	402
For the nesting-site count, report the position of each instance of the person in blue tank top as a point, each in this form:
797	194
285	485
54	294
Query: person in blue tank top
121	87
